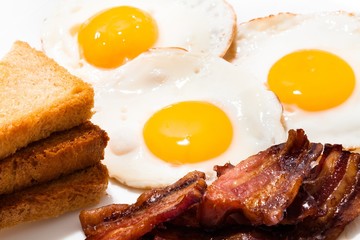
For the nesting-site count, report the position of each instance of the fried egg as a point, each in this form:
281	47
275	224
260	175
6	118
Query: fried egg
93	38
171	111
310	62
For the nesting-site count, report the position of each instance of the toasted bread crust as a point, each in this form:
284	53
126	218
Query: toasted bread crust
47	159
68	193
38	97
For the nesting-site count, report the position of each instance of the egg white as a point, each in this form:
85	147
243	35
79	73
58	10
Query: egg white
161	77
205	26
263	41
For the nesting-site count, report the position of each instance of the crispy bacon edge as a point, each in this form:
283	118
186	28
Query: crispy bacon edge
261	187
152	208
334	186
326	201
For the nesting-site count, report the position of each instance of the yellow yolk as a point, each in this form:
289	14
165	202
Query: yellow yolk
314	80
188	132
114	36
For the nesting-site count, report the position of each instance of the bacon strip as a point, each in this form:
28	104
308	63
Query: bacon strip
289	191
152	208
335	190
262	186
90	219
238	233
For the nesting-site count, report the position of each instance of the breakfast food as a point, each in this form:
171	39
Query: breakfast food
59	154
50	151
193	193
38	97
293	190
72	192
263	186
166	203
171	112
308	60
84	36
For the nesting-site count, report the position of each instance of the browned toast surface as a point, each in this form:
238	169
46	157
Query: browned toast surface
47	159
80	189
38	97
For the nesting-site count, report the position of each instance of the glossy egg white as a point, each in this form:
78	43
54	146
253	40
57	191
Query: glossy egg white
162	77
263	41
205	26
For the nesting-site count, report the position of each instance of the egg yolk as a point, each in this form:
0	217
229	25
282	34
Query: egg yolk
188	132
314	80
112	37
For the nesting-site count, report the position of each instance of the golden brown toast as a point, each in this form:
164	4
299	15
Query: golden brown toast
47	159
68	193
38	97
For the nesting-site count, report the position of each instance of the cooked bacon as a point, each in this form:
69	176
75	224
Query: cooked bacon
238	233
262	186
188	218
347	213
91	218
304	205
335	190
152	208
290	191
220	170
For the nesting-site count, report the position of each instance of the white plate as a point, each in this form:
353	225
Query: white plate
22	20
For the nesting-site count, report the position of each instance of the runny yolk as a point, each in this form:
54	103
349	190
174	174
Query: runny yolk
112	37
314	80
188	132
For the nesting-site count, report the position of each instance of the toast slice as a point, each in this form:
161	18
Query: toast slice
38	97
59	154
68	193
